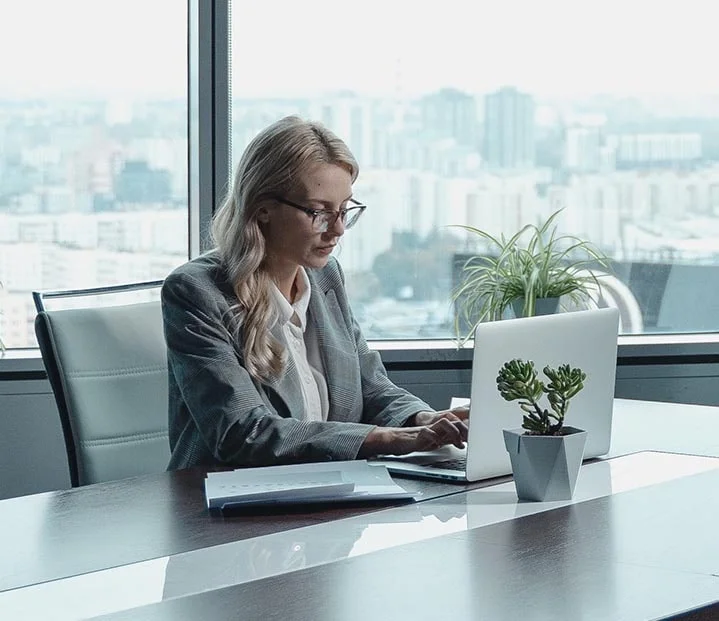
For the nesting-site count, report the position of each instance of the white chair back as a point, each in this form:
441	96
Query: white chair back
108	369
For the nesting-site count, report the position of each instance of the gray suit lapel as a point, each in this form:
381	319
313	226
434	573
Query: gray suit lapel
337	349
289	389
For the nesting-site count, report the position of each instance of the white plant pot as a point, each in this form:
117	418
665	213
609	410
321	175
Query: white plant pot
545	467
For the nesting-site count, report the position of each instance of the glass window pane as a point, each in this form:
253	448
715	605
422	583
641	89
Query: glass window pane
495	115
93	148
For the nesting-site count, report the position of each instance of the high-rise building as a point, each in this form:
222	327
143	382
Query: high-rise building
656	150
509	129
450	113
350	117
583	149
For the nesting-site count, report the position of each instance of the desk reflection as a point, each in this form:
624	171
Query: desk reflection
262	557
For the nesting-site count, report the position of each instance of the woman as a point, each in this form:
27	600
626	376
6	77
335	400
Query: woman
266	362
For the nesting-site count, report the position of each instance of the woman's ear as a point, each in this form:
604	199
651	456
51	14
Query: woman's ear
263	215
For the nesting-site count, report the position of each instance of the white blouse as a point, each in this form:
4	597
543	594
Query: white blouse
290	329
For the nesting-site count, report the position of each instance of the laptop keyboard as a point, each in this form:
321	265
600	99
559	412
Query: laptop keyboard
458	463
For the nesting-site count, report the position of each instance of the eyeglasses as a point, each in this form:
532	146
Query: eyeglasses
324	219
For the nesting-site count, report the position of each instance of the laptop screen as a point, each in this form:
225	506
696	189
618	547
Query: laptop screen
584	339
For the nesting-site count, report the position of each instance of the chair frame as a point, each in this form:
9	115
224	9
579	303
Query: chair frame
49	357
39	297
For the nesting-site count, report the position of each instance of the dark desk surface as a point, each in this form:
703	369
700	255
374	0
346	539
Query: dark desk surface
112	524
106	525
644	554
637	539
620	547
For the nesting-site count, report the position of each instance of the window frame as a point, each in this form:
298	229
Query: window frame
208	110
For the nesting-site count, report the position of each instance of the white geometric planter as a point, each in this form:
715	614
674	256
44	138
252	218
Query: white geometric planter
545	467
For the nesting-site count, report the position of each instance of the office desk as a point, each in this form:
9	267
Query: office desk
150	540
58	534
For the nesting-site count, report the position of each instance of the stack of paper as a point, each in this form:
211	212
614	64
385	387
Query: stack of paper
338	481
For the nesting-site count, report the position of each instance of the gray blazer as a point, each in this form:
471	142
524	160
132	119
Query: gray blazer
219	415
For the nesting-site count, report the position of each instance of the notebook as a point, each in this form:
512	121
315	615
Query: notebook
584	339
323	482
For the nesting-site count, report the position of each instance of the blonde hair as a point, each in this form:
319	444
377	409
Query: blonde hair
271	164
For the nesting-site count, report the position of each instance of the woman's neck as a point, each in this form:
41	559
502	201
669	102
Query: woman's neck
286	281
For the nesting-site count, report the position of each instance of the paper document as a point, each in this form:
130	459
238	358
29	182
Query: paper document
338	481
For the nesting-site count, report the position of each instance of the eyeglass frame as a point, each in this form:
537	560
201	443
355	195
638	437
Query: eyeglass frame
340	213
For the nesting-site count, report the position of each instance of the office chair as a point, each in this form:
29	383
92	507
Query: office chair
108	370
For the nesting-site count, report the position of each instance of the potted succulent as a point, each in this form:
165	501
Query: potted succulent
528	272
545	453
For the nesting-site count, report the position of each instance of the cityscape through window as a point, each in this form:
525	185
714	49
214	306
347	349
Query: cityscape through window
93	149
493	115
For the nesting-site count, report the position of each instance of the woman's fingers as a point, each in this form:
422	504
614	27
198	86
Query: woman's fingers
463	429
461	412
449	432
445	430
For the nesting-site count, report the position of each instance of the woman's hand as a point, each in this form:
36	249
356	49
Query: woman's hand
427	418
443	428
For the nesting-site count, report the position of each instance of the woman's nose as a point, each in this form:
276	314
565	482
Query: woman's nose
337	228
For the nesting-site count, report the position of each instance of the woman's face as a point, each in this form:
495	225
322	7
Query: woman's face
291	239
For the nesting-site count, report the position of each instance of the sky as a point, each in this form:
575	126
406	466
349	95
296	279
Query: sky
374	47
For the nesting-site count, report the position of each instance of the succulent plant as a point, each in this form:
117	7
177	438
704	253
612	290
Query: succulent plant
518	381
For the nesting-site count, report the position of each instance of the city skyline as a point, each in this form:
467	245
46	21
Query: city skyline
95	194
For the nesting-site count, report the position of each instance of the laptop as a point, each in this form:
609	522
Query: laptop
585	339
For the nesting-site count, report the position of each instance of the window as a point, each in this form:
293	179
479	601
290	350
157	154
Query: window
495	115
93	148
464	115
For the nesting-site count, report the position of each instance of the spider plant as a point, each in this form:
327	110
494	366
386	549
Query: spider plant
533	263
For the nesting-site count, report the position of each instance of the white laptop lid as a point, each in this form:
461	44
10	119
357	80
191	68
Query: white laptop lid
584	339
